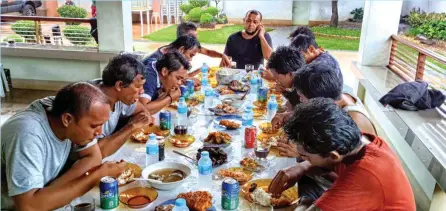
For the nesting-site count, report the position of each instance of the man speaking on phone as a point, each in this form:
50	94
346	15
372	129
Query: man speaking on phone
252	45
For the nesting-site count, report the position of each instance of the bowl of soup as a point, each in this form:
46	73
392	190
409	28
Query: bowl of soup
166	175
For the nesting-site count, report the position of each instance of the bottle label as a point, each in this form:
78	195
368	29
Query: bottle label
272	106
205	170
182	110
152	149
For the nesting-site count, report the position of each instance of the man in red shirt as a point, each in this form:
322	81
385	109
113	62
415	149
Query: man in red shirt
369	175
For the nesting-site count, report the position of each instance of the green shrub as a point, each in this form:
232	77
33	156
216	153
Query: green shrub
434	29
195	14
198	3
211	10
68	11
221	20
418	17
358	14
17	38
77	35
413	32
25	29
186	8
206	18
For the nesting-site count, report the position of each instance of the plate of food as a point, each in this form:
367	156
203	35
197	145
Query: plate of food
216	139
142	135
229	122
251	164
190	103
138	197
225	90
195	201
256	191
181	141
267	127
131	172
217	155
224	109
259	111
238	86
268	139
238	173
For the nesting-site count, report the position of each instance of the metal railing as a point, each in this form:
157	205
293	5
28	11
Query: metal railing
413	62
47	30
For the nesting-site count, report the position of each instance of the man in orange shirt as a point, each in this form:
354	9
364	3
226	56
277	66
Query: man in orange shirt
369	175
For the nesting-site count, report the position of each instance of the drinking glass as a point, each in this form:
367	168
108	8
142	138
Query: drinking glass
261	151
249	68
258	207
83	203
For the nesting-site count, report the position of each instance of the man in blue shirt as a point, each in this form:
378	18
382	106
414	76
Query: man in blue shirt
163	79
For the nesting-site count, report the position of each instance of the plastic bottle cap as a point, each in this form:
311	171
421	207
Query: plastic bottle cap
182	99
152	136
180	202
272	97
205	154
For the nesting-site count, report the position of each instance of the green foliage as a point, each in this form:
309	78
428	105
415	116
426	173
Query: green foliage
336	31
186	18
198	3
77	35
413	32
434	29
186	8
68	11
211	10
17	38
206	18
357	13
221	21
418	17
195	14
25	29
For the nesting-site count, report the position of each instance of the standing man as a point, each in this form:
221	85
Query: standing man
252	45
188	28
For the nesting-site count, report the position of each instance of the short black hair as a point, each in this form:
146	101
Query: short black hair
123	67
321	126
172	61
318	79
286	60
76	99
186	41
185	27
305	30
303	42
255	12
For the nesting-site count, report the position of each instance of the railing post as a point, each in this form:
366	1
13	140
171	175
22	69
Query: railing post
421	63
37	30
393	51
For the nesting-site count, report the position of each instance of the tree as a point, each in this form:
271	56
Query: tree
216	4
334	14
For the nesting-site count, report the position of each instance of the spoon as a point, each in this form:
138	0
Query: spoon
179	153
246	93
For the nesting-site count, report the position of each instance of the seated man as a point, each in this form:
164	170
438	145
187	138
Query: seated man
164	77
321	80
252	45
36	143
305	30
370	176
189	28
122	82
187	45
283	64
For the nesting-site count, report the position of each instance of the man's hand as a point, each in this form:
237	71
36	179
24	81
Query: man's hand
113	169
285	179
175	93
280	119
141	120
225	61
261	31
287	150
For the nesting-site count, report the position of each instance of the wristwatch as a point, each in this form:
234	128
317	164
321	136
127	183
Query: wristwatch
168	95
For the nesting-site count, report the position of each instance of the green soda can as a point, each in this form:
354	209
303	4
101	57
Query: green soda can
109	193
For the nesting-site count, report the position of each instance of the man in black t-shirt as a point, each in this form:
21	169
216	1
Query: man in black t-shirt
252	45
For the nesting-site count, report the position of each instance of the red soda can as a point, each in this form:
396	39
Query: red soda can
250	136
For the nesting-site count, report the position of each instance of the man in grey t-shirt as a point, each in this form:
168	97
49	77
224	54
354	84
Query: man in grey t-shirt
122	82
35	144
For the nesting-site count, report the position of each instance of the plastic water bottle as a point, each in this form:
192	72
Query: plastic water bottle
272	107
182	112
248	117
208	98
204	71
180	205
261	69
204	85
152	150
254	81
205	171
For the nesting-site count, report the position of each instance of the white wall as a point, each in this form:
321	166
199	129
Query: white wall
270	9
321	9
437	6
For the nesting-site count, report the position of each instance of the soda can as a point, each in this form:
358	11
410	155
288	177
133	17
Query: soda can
165	120
109	193
190	86
250	137
262	95
230	194
184	91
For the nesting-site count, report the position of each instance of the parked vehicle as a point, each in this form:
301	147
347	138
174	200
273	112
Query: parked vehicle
25	7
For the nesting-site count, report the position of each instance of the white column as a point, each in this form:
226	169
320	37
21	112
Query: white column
381	20
301	12
114	25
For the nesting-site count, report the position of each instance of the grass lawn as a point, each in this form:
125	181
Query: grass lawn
337	31
217	36
334	43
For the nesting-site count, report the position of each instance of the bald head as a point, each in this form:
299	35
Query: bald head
77	99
